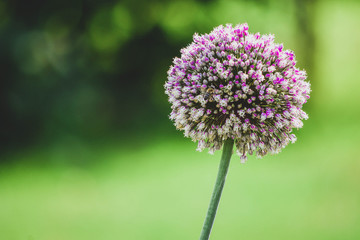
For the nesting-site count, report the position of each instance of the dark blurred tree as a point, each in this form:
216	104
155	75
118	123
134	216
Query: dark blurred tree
82	68
305	16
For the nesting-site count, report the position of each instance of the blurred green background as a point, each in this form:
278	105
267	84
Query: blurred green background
87	150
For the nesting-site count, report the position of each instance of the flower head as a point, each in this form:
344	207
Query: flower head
234	84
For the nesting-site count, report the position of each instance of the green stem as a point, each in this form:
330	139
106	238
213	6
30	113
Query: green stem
219	185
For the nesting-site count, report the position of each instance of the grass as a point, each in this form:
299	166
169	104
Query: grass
162	190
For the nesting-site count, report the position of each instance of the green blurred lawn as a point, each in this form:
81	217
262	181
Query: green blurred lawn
309	191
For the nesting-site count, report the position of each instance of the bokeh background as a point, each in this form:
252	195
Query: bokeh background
87	150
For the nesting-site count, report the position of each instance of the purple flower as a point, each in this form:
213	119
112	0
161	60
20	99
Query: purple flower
210	105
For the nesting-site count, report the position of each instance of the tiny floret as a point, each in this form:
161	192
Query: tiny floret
234	84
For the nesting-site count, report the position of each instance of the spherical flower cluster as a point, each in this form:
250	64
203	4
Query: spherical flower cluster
234	84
